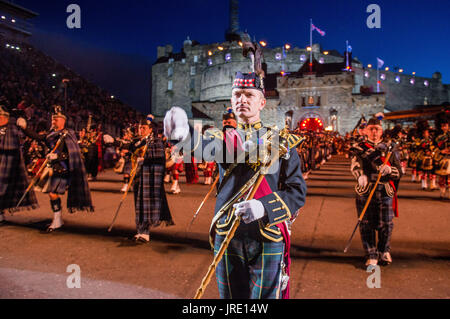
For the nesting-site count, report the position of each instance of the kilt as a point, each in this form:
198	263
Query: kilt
378	217
56	184
13	176
191	172
150	200
127	166
251	267
209	169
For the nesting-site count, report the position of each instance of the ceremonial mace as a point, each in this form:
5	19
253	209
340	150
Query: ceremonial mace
132	175
37	176
203	201
369	198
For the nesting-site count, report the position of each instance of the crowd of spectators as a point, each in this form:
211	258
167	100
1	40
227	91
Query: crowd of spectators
33	82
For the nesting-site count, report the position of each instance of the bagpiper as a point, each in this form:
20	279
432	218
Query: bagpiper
256	261
65	170
425	156
13	175
367	162
151	206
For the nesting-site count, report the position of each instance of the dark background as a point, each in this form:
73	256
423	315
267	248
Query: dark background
116	44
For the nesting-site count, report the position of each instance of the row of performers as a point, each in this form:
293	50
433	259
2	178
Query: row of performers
424	150
427	153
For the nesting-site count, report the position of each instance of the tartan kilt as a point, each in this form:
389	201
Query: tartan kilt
250	268
16	184
379	212
150	200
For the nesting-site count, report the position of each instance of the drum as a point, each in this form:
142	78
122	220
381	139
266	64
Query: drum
444	167
427	163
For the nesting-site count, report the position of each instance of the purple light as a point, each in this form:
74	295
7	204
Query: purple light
302	58
412	81
228	57
209	62
397	79
366	74
278	56
321	60
383	76
426	83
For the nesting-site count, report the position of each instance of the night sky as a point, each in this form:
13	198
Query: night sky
116	44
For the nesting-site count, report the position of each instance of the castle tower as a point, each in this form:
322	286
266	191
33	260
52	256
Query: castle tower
232	34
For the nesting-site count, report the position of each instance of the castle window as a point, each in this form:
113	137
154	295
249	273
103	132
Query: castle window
170	71
169	85
183	60
318	101
303	101
192	84
192	70
228	57
195	58
171	60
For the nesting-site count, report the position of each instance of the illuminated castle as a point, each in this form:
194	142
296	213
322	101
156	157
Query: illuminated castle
334	95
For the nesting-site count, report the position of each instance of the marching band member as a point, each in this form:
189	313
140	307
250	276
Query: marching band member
65	171
150	200
367	163
256	262
13	176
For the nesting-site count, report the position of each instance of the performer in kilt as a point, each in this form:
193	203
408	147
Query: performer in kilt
65	169
367	163
443	159
13	176
124	165
150	200
425	156
256	263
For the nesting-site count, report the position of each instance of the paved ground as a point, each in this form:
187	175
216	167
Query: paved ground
34	264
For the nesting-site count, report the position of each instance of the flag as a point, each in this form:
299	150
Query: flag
380	62
322	33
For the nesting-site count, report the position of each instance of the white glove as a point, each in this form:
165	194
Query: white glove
21	122
385	170
176	125
52	156
362	181
250	210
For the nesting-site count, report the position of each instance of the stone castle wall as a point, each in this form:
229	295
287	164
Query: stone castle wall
204	80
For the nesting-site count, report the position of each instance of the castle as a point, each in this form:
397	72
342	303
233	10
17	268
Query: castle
331	95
